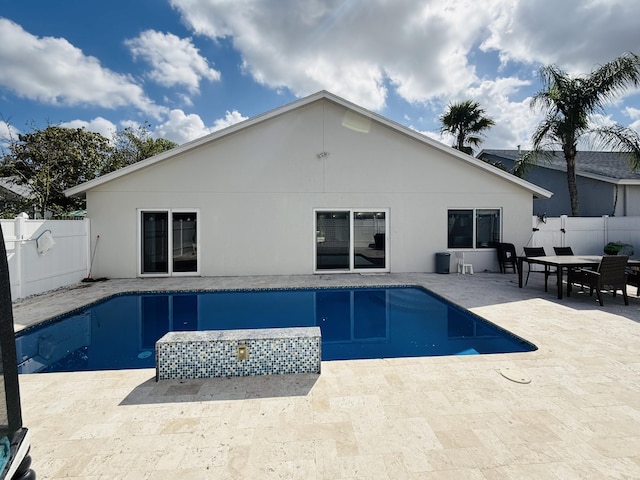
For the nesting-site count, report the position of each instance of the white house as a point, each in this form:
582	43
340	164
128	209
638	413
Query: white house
317	186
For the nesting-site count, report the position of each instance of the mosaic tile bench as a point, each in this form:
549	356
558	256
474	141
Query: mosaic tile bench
238	353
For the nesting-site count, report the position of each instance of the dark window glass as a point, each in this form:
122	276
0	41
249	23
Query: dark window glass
460	229
332	240
369	238
184	242
155	242
487	228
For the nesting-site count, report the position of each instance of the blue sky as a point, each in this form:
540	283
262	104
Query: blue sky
189	67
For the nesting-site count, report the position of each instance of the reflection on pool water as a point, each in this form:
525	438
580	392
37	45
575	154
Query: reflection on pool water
356	323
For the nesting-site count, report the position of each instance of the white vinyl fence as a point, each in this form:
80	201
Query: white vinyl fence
585	235
45	254
68	260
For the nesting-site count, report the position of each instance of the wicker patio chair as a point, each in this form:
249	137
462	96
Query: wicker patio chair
610	275
563	250
633	278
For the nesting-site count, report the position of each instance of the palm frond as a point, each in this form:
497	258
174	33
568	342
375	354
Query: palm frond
554	80
612	78
546	133
622	139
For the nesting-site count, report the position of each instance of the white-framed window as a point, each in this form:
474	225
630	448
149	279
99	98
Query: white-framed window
351	239
474	227
168	242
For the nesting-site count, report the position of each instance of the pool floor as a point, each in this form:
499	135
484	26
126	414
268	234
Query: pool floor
356	323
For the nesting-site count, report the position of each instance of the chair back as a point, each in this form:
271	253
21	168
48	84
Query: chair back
612	270
534	252
506	252
507	257
563	250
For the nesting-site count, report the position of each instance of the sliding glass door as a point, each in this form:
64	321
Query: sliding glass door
184	245
369	240
168	242
332	240
155	242
349	240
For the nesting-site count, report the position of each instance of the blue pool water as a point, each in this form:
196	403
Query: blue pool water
356	323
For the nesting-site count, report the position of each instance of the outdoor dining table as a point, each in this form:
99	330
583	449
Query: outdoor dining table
561	263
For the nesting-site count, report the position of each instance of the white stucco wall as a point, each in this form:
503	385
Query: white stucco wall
256	190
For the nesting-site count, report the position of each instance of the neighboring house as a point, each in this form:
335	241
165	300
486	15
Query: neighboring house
14	193
606	184
317	186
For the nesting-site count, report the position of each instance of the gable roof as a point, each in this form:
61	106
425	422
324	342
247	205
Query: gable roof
611	167
535	190
9	187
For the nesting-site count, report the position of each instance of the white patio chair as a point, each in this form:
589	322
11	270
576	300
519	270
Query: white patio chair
463	268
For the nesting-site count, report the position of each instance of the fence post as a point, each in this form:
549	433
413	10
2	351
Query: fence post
605	228
20	270
87	231
563	230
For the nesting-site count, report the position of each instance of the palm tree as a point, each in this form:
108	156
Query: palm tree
569	102
466	121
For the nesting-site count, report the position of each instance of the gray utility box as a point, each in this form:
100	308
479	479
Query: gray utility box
443	261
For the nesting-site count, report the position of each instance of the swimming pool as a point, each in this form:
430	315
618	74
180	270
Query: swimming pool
356	323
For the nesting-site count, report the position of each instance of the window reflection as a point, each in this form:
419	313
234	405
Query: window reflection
185	242
332	240
460	231
487	228
369	231
155	242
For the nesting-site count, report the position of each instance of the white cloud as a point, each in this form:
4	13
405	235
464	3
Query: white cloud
181	127
599	120
174	61
632	113
354	49
98	125
514	118
577	35
8	133
439	137
53	71
384	55
229	119
426	52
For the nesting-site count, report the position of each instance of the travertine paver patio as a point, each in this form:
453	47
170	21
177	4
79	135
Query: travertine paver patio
414	418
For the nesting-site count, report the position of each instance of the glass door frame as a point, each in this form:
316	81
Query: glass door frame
140	240
352	267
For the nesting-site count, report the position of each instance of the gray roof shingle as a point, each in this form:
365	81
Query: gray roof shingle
614	165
